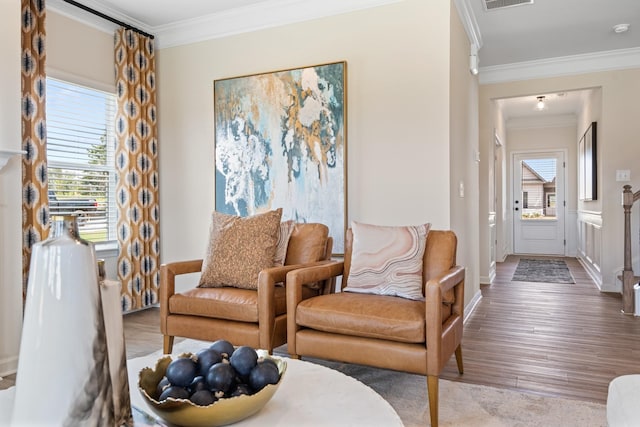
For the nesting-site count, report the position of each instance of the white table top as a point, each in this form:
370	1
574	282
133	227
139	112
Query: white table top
310	395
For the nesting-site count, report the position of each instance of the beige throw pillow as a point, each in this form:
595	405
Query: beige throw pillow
286	228
239	248
387	260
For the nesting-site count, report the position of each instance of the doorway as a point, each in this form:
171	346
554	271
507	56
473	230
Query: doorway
539	203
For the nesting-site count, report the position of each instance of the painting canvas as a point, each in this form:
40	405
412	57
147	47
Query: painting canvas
587	166
280	141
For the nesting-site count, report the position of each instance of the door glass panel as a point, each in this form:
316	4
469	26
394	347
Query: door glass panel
538	189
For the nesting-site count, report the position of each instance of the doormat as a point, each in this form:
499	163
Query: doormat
542	270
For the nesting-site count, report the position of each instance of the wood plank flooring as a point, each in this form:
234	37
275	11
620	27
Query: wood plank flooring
565	340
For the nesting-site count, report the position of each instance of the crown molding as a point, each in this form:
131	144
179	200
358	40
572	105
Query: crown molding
256	17
94	21
234	21
562	66
469	22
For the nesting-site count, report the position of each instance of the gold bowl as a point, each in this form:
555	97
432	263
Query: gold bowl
185	413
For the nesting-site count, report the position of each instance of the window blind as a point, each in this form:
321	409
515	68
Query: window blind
80	156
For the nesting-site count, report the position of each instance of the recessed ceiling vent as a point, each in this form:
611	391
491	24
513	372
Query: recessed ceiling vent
500	4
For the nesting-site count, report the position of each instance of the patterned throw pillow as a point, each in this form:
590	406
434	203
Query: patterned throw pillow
387	260
286	228
239	248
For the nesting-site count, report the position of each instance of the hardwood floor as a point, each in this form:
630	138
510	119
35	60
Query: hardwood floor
565	340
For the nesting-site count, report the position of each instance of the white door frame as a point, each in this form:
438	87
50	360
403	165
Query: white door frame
561	204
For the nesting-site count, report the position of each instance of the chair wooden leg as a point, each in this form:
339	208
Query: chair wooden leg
459	359
432	387
167	344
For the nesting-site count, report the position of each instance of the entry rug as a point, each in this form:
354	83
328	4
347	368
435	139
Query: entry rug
542	270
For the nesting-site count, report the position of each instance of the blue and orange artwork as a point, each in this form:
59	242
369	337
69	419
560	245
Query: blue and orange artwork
280	142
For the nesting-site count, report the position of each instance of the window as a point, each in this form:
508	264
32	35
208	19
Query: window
525	199
80	152
551	200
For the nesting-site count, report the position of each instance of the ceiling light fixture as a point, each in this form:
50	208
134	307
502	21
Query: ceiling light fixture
540	105
620	28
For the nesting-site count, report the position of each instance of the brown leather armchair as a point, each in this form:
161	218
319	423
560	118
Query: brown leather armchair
383	331
256	318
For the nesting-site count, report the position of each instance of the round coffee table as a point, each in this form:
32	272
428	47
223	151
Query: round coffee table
310	395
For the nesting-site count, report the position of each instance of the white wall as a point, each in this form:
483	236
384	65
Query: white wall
10	195
618	148
463	131
398	113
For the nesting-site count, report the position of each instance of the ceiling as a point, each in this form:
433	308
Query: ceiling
539	33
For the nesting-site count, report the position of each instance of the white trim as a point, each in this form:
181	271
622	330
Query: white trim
5	155
256	17
562	66
470	308
8	365
468	18
234	21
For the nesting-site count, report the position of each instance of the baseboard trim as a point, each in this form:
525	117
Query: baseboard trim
591	271
487	280
8	365
469	308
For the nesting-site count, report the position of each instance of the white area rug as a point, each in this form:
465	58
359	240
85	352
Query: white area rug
461	404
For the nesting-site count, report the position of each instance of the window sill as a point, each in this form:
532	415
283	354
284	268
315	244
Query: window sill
106	249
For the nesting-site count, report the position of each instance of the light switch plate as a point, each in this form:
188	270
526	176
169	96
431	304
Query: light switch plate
623	175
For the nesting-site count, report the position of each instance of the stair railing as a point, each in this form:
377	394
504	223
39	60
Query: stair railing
628	278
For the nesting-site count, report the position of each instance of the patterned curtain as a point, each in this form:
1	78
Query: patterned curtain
137	170
35	202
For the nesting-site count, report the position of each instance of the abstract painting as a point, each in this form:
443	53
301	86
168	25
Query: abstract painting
280	141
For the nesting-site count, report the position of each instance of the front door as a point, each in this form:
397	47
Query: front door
538	203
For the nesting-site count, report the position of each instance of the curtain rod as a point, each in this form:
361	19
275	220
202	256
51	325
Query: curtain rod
108	18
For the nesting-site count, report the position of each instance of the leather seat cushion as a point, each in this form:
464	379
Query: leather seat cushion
228	303
364	315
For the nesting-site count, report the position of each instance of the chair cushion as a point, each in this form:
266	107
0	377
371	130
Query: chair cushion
286	228
307	243
228	303
239	248
387	260
365	315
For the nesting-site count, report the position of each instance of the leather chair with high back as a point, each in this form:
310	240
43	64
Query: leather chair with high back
253	317
379	330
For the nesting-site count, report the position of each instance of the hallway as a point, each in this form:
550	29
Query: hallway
566	340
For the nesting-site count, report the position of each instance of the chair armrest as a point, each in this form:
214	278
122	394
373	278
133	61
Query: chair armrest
443	338
168	273
295	280
267	280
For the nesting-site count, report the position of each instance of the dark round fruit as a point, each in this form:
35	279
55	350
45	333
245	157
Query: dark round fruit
240	390
271	363
243	360
221	377
175	392
262	375
223	347
198	383
203	398
164	383
206	359
181	371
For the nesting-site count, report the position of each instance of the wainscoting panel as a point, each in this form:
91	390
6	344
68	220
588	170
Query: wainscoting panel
492	250
590	244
